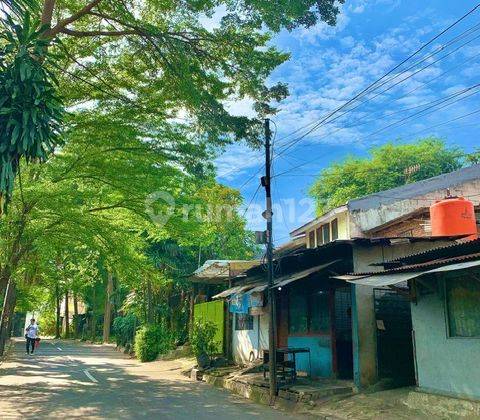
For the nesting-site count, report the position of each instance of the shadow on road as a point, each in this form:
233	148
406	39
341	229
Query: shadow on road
54	384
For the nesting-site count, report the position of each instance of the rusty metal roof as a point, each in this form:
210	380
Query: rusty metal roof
420	266
457	249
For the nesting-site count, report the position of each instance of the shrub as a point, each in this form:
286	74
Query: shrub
152	340
202	339
124	329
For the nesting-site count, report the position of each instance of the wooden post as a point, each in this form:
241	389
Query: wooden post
107	318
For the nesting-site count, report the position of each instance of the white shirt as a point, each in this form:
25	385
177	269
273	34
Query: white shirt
32	331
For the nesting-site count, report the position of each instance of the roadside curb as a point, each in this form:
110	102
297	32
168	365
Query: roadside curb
286	401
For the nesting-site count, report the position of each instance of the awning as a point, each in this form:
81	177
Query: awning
279	282
282	281
257	289
391	279
236	289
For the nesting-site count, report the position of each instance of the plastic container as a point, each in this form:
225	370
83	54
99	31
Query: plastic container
453	216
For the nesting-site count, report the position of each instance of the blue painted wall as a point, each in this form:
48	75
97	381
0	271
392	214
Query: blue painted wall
321	354
446	365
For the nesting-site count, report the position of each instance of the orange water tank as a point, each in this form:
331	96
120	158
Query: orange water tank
453	216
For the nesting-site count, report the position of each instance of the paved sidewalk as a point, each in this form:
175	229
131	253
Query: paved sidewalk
73	380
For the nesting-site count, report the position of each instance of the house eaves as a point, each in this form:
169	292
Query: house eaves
318	220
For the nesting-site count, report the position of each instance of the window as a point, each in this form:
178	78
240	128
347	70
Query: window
298	312
326	233
309	311
319	236
334	229
243	322
463	309
311	239
319	312
323	234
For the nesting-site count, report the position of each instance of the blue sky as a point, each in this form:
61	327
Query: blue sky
328	66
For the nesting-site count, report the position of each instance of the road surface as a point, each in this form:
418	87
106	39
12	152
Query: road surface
70	380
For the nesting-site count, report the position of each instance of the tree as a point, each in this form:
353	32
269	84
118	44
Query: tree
155	56
386	167
145	85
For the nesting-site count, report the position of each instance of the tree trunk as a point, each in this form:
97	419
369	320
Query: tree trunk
57	303
93	321
66	320
149	302
107	318
75	315
7	313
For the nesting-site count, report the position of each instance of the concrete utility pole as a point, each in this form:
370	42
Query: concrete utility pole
272	344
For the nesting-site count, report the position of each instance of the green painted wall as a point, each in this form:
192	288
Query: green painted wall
445	365
213	312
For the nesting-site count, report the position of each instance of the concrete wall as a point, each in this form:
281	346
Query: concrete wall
377	215
247	345
446	365
320	353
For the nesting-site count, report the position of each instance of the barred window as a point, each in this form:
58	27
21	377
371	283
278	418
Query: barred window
463	309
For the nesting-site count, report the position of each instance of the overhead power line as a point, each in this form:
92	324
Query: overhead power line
373	85
418	132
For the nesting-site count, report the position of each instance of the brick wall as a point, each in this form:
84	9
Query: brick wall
418	225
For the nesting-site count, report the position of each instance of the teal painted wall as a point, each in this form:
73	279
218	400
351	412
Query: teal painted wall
445	365
321	354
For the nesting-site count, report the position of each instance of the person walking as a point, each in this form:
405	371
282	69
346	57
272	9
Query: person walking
31	334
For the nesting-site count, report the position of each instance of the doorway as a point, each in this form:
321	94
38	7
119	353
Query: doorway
394	337
343	332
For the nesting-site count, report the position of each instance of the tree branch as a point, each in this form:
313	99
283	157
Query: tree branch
80	34
64	22
47	12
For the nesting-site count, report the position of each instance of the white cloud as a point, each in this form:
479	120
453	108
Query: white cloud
237	160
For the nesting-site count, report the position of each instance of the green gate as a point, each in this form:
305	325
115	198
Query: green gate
214	313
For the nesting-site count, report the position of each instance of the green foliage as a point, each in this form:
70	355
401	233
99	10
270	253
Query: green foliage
124	329
147	88
152	340
30	110
383	169
202	339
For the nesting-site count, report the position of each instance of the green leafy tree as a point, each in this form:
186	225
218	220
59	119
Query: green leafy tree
152	56
386	167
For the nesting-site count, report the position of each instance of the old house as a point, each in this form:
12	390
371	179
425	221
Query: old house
209	279
398	212
334	320
443	287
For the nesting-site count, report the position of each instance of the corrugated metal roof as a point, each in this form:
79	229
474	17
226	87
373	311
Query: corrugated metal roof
447	251
218	271
233	290
419	266
283	281
393	278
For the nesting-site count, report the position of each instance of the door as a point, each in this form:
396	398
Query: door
343	332
394	337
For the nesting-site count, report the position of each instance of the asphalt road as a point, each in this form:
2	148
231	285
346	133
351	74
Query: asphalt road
70	379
